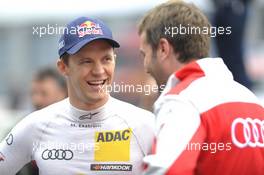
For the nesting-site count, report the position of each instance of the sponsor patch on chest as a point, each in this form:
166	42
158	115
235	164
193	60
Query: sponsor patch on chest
113	145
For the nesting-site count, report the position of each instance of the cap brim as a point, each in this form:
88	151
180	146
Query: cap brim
79	45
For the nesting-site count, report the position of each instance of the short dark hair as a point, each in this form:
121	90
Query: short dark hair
51	73
177	13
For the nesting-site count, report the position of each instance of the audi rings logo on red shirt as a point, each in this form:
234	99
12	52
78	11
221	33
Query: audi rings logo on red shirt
248	132
57	154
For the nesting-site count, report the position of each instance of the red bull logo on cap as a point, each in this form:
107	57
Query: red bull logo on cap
89	28
89	24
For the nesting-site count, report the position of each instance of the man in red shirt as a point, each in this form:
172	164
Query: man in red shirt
207	123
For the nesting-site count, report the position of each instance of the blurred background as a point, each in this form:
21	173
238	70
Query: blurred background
23	51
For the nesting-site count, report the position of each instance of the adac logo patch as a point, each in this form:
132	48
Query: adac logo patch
89	28
113	145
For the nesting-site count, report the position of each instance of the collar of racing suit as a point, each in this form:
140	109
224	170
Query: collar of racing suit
95	115
205	67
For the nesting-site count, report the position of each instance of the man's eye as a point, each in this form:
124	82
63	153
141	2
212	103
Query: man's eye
108	59
85	61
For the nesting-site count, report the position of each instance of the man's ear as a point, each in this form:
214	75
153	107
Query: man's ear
164	49
62	67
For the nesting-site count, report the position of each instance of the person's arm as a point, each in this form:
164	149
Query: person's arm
16	148
179	128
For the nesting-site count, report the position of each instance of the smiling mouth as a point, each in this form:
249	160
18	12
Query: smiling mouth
97	82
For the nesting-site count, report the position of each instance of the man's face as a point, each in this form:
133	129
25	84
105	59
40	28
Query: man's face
151	64
89	72
45	92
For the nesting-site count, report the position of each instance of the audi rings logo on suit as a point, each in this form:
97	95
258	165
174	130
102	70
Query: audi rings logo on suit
57	154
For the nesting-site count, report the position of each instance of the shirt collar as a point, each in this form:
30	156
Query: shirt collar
95	115
208	67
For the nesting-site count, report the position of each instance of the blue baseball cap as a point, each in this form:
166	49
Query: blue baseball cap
82	31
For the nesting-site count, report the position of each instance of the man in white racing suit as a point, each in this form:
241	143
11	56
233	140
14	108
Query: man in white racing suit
208	124
89	132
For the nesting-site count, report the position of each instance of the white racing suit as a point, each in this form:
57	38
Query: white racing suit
61	139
